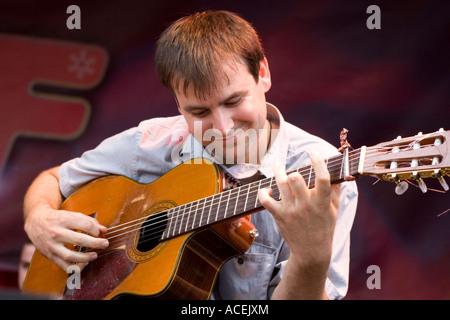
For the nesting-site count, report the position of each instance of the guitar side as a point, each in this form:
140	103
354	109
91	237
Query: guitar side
184	267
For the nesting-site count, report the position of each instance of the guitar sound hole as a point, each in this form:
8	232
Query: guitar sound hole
151	231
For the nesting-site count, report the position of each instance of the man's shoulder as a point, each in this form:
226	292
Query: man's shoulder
303	141
161	128
161	123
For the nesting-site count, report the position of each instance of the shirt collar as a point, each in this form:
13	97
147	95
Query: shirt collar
277	154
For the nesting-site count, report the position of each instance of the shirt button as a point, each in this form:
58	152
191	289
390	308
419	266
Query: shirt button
241	260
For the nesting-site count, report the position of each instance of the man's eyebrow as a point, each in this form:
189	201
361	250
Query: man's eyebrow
191	108
234	95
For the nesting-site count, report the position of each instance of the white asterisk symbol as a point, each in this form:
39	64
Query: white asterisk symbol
81	64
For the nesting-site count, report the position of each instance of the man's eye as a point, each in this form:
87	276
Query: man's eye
199	113
234	102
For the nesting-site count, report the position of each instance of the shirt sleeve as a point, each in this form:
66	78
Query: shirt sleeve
336	285
142	153
114	155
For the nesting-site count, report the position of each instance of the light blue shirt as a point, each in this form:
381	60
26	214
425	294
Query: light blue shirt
156	146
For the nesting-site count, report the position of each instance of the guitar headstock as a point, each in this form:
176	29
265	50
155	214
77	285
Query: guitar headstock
413	158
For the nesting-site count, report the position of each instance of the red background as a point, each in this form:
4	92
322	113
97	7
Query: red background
329	71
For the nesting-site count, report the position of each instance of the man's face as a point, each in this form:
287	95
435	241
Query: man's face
231	122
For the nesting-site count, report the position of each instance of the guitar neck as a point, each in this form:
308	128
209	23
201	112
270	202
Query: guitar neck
243	200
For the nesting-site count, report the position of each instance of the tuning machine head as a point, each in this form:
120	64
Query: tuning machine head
443	182
401	187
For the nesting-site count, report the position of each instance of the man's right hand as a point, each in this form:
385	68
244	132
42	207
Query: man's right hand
51	230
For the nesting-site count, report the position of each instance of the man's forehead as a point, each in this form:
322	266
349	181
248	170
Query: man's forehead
228	79
192	104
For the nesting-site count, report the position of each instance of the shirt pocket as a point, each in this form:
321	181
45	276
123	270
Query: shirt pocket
247	276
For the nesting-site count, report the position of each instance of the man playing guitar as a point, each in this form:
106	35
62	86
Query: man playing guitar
214	64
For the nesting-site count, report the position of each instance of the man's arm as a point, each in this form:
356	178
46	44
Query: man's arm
306	219
51	229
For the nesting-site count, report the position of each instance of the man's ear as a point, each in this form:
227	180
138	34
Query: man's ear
264	75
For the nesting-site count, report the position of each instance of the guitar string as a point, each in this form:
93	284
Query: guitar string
190	211
182	216
158	232
196	202
353	156
160	229
183	220
163	227
179	207
162	217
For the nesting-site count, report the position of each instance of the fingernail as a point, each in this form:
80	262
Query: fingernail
93	256
105	244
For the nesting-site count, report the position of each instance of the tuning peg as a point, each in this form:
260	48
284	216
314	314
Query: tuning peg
401	187
443	182
422	185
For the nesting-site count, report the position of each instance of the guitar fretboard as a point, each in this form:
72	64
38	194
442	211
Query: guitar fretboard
243	200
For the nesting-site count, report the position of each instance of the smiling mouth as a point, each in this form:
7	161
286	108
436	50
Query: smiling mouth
233	135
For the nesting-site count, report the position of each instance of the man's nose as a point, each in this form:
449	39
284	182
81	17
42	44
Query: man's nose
223	121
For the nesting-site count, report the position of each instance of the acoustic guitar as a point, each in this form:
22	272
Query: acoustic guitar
169	238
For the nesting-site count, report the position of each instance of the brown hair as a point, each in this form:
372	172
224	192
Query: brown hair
193	49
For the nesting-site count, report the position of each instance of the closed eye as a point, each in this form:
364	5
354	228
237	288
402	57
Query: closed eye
234	102
200	113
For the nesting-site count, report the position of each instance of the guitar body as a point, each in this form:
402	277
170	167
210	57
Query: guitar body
184	267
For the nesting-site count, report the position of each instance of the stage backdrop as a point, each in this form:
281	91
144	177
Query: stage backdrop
68	83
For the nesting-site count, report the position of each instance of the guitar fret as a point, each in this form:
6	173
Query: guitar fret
237	198
174	220
274	189
187	218
192	216
195	215
226	207
182	215
175	224
218	206
167	231
309	177
256	198
169	221
246	197
201	216
210	209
